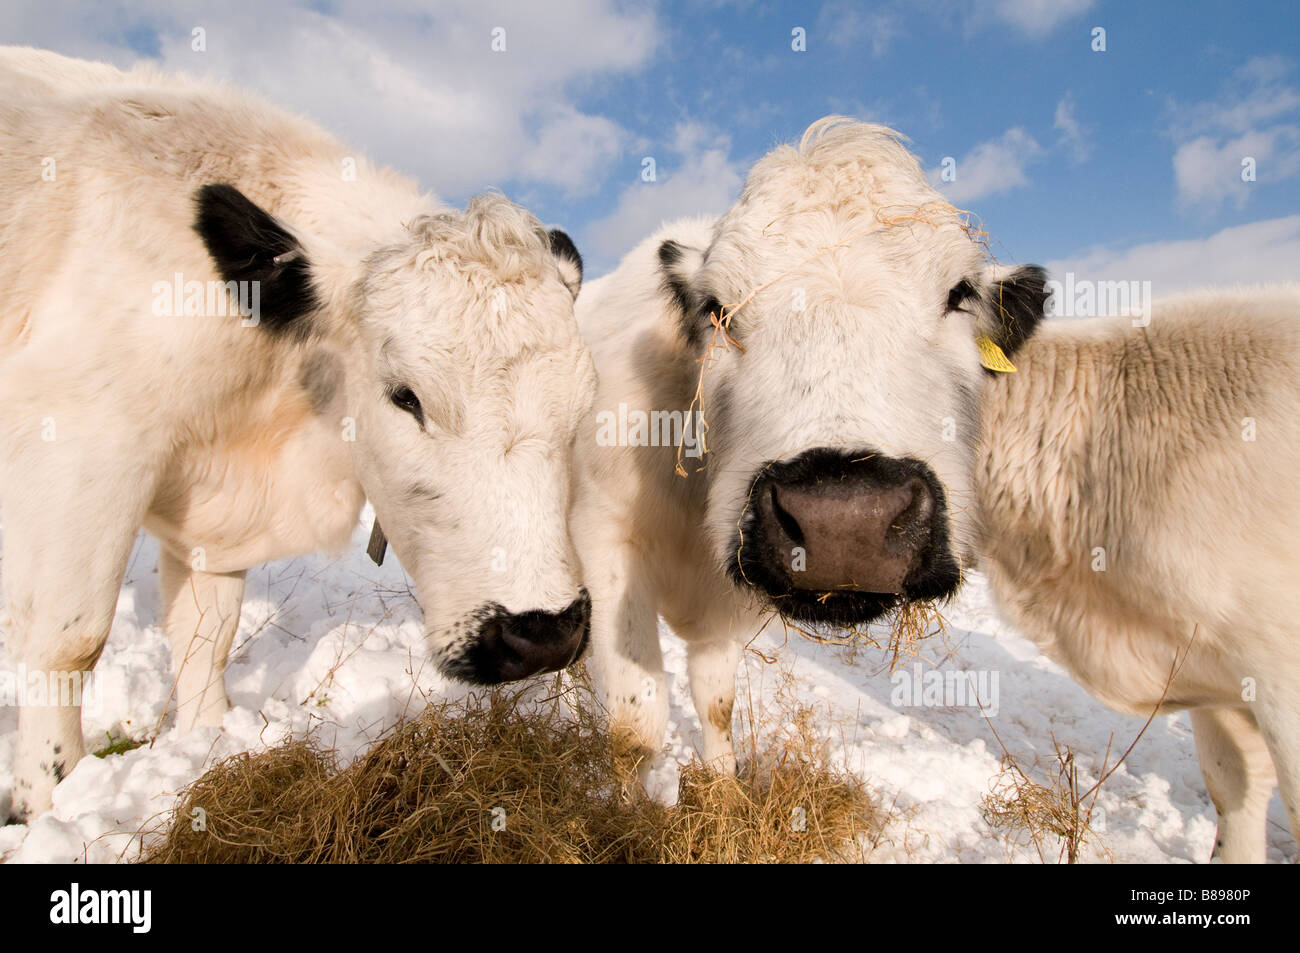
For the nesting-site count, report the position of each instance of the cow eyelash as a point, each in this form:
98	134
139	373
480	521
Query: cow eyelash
961	292
404	399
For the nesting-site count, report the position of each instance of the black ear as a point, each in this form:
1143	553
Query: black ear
679	263
247	244
1016	303
567	257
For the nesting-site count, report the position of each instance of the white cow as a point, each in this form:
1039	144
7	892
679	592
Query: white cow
224	326
829	327
823	494
1137	499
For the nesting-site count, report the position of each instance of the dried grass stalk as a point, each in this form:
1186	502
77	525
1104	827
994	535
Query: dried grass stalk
501	780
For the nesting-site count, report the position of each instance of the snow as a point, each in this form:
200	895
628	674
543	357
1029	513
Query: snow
336	645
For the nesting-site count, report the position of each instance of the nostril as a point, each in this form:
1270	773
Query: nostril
913	519
789	525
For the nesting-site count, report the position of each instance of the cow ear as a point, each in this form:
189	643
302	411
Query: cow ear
248	245
1016	301
679	265
568	260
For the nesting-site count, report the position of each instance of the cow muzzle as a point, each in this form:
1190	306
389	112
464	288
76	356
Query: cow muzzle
852	533
508	646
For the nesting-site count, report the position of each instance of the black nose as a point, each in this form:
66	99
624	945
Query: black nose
514	645
842	537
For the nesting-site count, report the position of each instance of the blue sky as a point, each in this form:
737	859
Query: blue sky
1123	163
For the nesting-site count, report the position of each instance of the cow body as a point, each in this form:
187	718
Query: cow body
1136	495
389	348
638	525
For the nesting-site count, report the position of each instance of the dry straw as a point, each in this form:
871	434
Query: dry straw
501	779
899	636
1017	806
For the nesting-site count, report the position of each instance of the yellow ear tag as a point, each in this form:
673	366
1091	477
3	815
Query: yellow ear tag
991	356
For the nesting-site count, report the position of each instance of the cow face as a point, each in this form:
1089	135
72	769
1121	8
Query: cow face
842	400
474	384
460	387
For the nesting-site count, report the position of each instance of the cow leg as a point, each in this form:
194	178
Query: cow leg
61	638
1239	776
65	556
628	660
201	617
711	667
1278	713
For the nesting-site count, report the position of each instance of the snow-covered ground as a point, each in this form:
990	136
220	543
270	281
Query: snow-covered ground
336	644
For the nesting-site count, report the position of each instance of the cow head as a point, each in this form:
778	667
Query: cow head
841	394
460	378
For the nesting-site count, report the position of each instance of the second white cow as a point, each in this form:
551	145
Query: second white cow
824	494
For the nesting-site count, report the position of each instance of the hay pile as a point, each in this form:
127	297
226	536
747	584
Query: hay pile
501	780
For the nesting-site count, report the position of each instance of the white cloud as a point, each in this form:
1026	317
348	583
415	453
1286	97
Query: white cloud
416	84
702	181
1208	172
1037	18
990	168
1255	93
846	26
1074	137
573	150
1267	250
1246	121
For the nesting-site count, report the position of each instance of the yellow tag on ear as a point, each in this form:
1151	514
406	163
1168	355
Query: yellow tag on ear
991	356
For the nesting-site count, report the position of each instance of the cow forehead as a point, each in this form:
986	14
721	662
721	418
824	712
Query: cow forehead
485	278
853	167
470	312
485	359
846	183
850	256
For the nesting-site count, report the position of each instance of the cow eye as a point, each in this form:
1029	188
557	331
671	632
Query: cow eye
961	292
710	308
404	398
